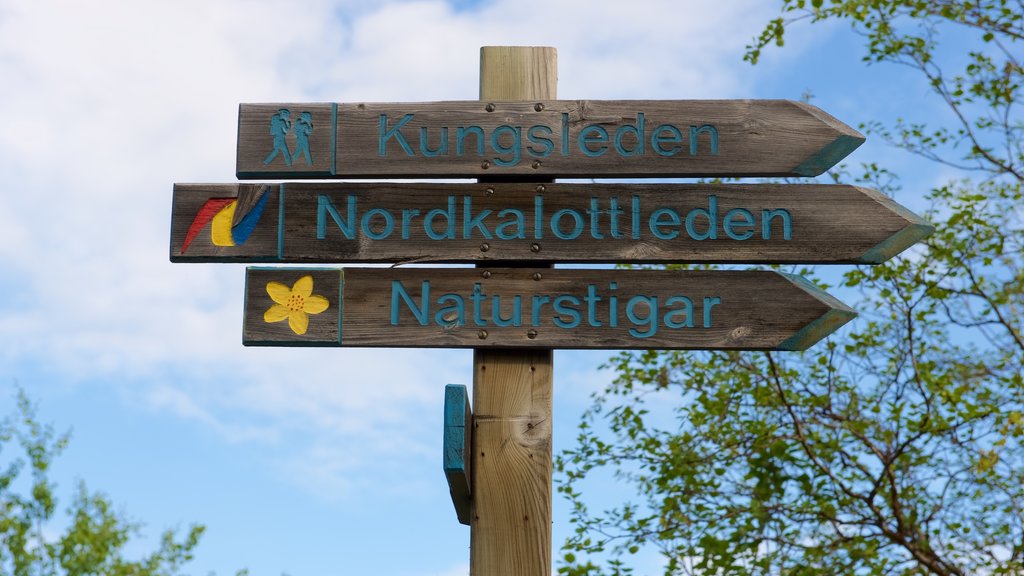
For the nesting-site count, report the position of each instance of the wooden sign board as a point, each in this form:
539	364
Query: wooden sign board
542	139
600	223
536	308
458	432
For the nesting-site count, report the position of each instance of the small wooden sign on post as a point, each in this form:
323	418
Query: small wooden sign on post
540	138
600	223
534	308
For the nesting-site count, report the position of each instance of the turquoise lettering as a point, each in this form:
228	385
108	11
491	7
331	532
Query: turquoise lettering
577	228
595	215
648	303
534	138
324	206
516	222
478	297
656	222
515	149
469	222
396	133
738	218
442	147
536	302
449	216
709	303
685	311
766	223
601	139
673	136
421	312
711	214
387	229
460	138
708	129
407	215
592	299
516	319
637	131
562	307
454	315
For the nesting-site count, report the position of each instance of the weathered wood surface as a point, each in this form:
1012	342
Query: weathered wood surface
540	139
540	308
457	448
337	222
512	400
510	532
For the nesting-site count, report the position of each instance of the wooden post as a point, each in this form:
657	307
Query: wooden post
512	390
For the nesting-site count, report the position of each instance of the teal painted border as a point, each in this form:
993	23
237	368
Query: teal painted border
456	413
455	400
334	139
829	156
280	222
295	344
897	243
341	302
918	229
824	325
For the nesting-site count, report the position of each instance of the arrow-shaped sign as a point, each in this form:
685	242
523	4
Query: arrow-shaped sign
537	308
609	223
544	139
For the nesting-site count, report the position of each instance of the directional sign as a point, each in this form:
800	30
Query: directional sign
549	308
458	430
653	223
544	139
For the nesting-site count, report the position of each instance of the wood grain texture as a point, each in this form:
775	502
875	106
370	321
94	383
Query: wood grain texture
512	399
597	223
510	533
457	448
573	138
192	222
557	308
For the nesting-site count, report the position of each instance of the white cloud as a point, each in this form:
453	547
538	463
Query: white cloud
108	103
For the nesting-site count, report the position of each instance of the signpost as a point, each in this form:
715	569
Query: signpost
534	308
514	309
540	138
600	223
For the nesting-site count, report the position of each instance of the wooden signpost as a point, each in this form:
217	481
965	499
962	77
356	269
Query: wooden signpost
514	309
540	138
601	223
533	308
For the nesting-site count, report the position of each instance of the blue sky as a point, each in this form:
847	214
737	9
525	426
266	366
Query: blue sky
306	461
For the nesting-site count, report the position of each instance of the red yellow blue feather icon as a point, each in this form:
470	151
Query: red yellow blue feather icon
230	225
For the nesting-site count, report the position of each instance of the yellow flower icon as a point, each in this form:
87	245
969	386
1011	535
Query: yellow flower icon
295	304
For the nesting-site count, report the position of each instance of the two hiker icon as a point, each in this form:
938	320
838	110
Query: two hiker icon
280	125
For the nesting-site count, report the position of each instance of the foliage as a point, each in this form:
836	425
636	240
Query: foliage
95	536
896	447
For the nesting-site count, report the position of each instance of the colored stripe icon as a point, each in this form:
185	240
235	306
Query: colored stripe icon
226	227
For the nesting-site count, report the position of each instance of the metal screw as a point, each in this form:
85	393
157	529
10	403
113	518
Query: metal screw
541	188
485	247
486	274
490	191
536	164
489	107
485	164
538	106
534	247
537	276
482	334
531	334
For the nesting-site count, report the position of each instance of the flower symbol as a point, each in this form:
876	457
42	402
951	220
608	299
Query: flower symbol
295	303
